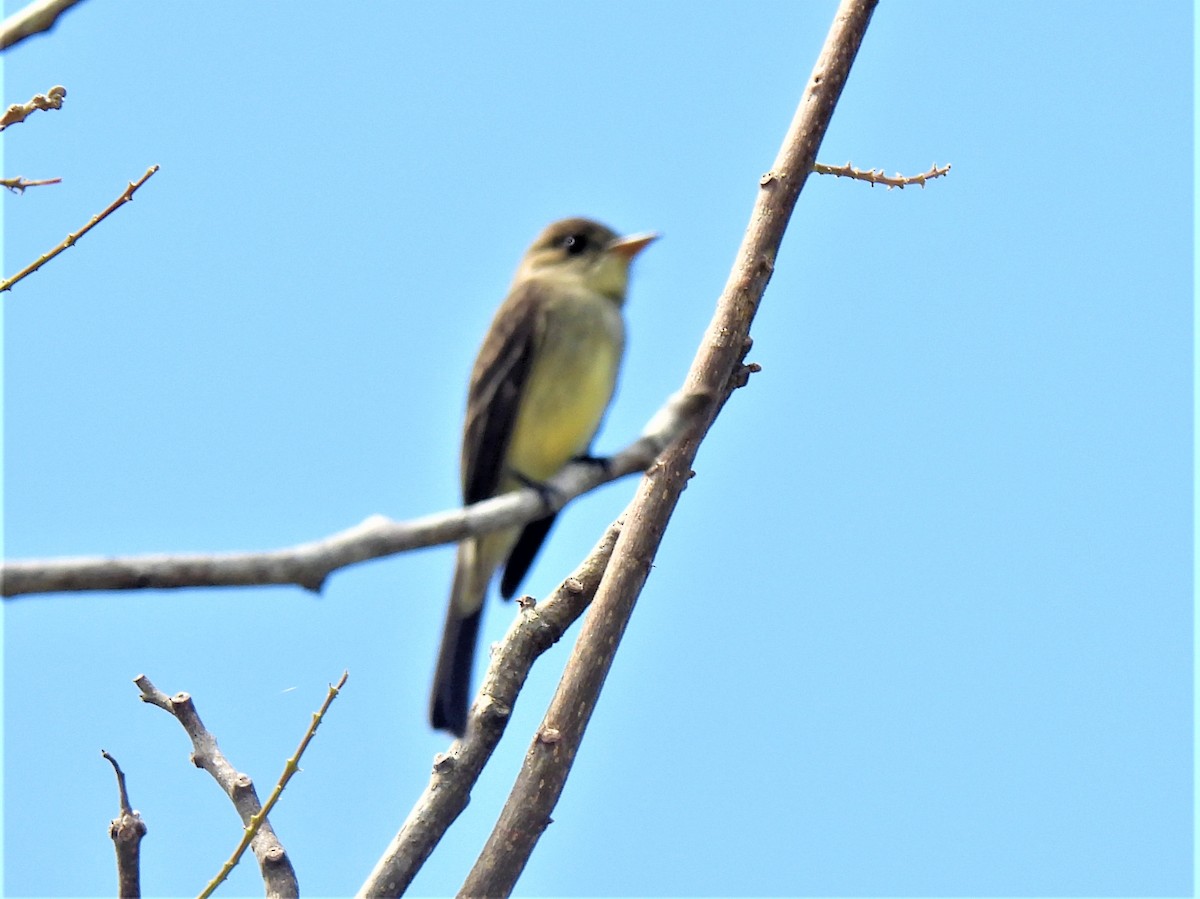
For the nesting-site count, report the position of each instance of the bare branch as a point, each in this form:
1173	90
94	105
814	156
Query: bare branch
533	631
18	185
716	368
289	769
126	831
19	112
873	176
35	18
273	862
309	564
72	239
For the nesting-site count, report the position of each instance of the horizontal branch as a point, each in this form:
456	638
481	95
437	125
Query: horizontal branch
876	176
308	565
18	184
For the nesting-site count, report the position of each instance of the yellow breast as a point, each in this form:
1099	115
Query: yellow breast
570	385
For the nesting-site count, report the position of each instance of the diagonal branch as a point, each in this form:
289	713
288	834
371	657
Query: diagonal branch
278	874
715	370
39	16
289	771
309	564
71	239
535	629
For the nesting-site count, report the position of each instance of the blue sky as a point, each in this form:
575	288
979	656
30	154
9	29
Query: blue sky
922	623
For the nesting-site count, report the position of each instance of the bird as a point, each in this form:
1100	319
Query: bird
540	386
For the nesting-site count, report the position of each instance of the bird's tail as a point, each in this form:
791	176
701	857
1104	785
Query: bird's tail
451	696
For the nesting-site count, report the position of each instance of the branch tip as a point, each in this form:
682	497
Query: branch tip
19	112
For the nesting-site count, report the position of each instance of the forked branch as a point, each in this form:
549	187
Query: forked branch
715	370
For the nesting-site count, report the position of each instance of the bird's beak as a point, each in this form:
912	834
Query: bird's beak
628	247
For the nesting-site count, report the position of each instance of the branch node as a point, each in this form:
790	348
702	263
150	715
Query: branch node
491	711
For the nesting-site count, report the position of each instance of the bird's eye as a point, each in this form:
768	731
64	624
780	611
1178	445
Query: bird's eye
574	244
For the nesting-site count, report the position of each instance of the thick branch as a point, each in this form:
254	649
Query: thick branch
277	872
534	631
309	564
715	370
35	18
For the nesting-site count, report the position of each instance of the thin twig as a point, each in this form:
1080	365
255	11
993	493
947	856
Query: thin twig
126	831
876	176
277	872
309	564
18	185
19	112
72	239
289	769
718	366
33	19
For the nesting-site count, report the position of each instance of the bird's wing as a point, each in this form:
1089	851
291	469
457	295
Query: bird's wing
497	383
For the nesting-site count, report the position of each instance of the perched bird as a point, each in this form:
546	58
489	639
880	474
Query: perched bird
540	386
